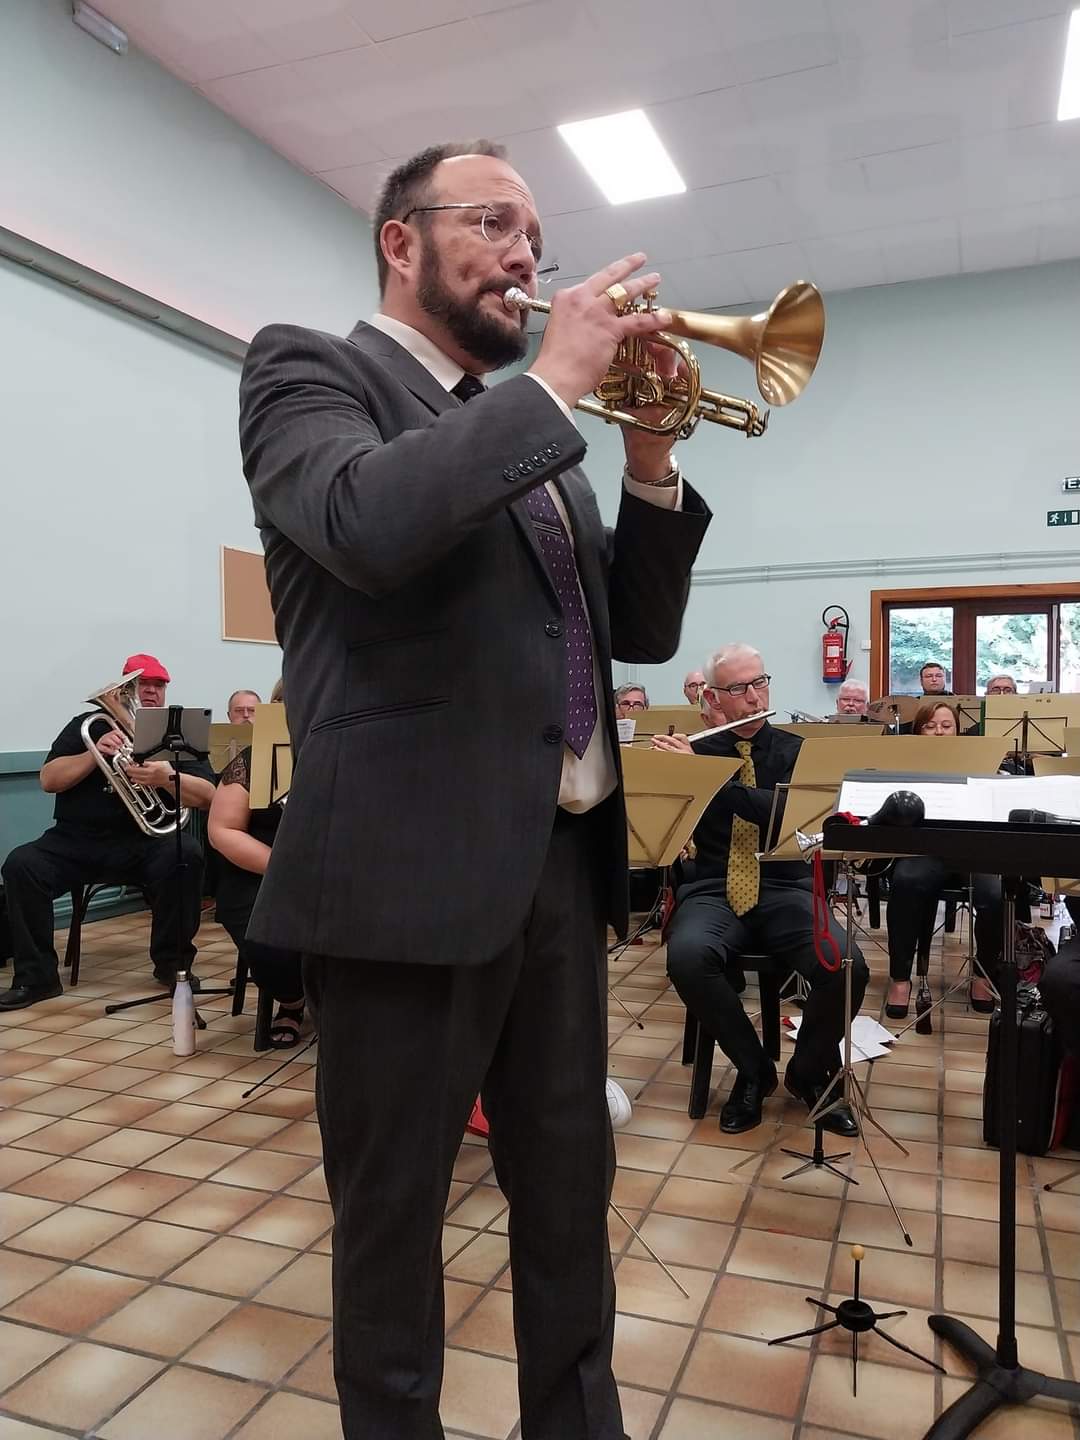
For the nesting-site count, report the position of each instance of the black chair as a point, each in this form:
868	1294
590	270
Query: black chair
264	1009
81	896
698	1044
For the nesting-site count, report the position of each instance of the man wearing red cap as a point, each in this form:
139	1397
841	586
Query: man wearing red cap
95	838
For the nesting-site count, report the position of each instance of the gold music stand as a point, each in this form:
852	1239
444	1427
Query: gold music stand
810	730
1072	740
681	719
271	757
666	796
226	742
1034	724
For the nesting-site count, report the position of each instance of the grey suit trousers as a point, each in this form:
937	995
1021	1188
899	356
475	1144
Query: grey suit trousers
404	1049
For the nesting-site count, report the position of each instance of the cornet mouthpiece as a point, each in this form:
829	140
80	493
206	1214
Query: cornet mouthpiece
516	299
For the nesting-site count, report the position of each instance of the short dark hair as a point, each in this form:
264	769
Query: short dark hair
409	185
931	665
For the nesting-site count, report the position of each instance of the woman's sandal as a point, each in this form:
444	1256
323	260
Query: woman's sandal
285	1027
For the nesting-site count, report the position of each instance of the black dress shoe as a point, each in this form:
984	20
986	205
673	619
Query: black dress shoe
899	1012
742	1109
20	996
838	1121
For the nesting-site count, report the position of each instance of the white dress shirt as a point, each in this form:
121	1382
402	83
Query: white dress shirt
592	777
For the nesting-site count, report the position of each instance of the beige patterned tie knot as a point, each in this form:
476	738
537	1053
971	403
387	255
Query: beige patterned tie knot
743	870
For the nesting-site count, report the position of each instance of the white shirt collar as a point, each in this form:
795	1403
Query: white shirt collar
446	371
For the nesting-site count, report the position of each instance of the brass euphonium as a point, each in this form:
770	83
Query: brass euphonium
782	343
151	810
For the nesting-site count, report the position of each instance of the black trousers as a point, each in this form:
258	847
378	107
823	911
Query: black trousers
36	873
706	936
915	886
276	971
404	1049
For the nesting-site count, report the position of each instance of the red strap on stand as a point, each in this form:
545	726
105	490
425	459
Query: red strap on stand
825	946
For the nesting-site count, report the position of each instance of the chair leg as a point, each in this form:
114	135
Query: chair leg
240	980
689	1039
873	901
264	1013
701	1078
74	937
950	917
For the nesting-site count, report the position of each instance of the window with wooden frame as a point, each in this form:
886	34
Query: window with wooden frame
1031	632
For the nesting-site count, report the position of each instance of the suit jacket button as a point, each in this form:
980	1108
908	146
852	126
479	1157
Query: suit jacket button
553	452
553	734
553	628
525	468
510	473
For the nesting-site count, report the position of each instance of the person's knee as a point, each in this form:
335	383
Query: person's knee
685	959
23	864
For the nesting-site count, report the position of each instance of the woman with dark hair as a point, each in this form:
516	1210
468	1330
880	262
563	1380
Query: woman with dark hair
915	886
242	836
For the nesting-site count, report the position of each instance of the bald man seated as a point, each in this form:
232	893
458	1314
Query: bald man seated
734	905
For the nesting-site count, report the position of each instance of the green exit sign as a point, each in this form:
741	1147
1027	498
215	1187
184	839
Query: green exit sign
1063	517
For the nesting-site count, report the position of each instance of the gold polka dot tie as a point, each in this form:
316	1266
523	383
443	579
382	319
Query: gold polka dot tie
743	870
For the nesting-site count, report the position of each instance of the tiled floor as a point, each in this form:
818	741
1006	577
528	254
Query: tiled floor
164	1244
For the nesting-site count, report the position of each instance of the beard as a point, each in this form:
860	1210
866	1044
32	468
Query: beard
491	342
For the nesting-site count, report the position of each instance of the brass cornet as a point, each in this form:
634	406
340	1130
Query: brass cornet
151	809
782	343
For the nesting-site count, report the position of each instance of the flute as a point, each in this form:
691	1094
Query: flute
732	725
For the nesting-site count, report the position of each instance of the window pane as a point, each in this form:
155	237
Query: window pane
1070	646
917	635
1010	645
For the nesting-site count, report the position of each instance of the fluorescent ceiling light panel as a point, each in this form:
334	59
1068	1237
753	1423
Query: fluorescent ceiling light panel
624	155
1069	100
96	24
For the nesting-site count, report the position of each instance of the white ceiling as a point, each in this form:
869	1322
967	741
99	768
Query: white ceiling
851	142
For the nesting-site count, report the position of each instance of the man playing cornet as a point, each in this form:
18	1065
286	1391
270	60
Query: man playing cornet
449	605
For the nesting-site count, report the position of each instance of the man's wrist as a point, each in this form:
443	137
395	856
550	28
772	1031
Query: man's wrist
665	481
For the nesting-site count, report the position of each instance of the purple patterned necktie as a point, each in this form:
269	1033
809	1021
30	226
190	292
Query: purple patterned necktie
559	554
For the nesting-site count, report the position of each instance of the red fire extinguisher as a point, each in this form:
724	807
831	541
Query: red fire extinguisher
834	661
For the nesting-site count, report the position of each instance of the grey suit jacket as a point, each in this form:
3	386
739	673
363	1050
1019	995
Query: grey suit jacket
424	658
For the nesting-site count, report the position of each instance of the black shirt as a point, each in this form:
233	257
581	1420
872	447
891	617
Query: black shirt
92	804
773	753
237	888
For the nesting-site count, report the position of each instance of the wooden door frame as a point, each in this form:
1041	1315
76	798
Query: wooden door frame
947	595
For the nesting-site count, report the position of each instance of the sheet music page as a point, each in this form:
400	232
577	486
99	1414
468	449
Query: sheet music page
1056	794
944	800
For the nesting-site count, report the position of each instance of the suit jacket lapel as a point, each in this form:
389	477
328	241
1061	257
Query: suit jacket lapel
410	372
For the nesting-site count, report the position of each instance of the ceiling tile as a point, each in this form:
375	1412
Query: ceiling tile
968	15
206	36
1022	61
1000	239
383	20
845	262
359	184
777	37
746	214
801	118
708	282
297	29
1059	237
827	200
896	29
557	179
711	138
766	271
917	251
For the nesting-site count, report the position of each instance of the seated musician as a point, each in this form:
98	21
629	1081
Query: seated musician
915	886
734	904
932	679
1001	685
853	698
1060	984
242	837
630	701
692	687
96	838
241	707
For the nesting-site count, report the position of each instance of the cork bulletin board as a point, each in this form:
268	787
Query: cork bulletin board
246	613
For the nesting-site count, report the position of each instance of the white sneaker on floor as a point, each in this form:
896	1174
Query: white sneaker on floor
618	1104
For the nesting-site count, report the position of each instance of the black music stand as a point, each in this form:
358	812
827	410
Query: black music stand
1011	851
168	734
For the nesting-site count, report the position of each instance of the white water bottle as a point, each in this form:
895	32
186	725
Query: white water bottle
183	1016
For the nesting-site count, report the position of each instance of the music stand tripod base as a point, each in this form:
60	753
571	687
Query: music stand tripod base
817	1159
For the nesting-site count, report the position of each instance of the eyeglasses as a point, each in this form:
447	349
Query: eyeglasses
632	704
1000	690
760	683
497	228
